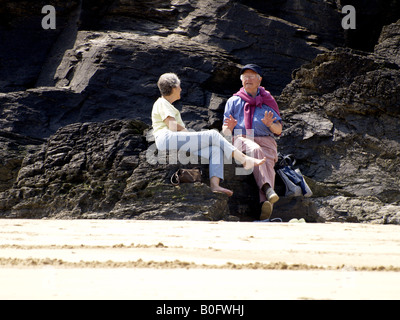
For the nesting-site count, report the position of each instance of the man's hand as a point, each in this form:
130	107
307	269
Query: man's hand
228	126
230	123
274	127
268	119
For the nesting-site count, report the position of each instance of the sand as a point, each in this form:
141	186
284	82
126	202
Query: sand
125	259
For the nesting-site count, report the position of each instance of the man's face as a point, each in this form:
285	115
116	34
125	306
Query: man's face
251	80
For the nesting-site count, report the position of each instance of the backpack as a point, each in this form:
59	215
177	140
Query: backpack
292	180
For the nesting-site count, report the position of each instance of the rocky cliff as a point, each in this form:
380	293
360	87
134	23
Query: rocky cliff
76	102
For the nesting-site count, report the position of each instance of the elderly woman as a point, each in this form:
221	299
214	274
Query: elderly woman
170	134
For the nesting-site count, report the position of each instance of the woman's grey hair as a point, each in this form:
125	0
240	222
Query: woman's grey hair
167	82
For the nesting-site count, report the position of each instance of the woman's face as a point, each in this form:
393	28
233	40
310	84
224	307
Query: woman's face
176	93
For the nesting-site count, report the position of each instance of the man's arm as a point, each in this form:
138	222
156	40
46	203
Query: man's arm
274	127
228	126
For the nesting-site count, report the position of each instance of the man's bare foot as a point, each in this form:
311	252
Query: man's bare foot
253	162
218	189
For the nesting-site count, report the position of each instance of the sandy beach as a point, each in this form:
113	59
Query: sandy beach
157	260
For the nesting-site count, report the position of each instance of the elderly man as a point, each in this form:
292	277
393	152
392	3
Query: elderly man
252	116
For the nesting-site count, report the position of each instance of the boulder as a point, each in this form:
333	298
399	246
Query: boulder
389	42
342	113
101	170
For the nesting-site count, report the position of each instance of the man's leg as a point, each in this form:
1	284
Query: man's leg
260	147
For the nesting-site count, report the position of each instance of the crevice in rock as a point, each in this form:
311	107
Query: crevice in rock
65	41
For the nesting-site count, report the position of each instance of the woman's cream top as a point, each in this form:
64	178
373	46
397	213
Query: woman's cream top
162	109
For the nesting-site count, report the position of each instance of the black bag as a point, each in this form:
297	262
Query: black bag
186	176
293	180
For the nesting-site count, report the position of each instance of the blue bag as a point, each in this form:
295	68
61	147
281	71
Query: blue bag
293	180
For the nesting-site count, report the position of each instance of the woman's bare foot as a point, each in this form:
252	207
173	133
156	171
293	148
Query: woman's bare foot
219	189
215	187
247	162
250	162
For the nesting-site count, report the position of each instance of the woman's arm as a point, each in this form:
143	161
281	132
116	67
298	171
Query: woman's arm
173	125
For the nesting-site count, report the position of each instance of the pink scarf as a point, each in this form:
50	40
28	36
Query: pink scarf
251	103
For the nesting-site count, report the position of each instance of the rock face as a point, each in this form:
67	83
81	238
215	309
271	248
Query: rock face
343	111
389	43
100	170
25	46
76	102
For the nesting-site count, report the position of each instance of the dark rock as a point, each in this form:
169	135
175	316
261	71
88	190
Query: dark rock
288	208
371	16
64	158
341	112
322	28
389	43
38	113
100	170
14	147
118	74
25	45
